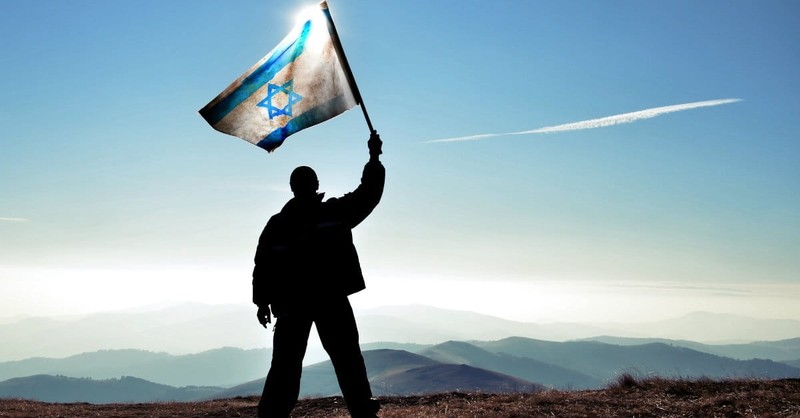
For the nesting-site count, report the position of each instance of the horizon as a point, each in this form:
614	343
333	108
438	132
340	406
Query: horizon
690	325
651	167
622	302
156	307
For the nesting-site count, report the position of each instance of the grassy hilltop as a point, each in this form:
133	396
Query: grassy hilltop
628	396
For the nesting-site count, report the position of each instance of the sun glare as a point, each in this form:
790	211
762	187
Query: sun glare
307	13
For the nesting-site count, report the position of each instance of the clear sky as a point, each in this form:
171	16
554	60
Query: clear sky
115	193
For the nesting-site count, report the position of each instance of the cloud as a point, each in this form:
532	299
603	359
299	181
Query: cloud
600	122
6	219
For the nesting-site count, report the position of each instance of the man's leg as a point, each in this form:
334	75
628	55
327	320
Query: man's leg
337	330
283	381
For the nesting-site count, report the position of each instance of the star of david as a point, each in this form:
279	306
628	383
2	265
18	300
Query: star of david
274	90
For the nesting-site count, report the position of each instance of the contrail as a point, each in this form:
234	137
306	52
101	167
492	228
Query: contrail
6	219
600	122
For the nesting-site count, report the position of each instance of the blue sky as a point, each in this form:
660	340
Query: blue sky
115	193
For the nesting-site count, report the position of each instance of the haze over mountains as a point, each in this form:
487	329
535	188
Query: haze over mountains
193	328
425	324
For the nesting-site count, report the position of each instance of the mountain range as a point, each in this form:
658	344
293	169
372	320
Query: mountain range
392	372
173	353
514	364
784	350
556	364
70	389
219	367
606	361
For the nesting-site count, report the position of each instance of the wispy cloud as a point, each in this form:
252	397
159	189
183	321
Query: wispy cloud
7	219
600	122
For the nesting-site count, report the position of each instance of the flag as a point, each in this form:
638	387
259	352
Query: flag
298	84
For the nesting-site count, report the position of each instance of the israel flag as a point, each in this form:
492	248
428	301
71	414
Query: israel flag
298	84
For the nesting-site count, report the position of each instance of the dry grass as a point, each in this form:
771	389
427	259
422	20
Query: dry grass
627	397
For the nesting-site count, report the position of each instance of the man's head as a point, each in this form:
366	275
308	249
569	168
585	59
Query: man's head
303	181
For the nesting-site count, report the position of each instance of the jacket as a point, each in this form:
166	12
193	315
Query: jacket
306	252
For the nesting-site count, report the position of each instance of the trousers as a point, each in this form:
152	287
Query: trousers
336	326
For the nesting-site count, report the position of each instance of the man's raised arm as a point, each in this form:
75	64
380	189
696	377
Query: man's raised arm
358	204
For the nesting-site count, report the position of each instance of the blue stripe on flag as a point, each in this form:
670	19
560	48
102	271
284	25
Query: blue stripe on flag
311	117
284	54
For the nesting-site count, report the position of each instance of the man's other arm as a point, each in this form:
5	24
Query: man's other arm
263	270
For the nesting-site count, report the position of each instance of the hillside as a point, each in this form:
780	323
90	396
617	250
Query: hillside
522	367
605	361
782	350
397	372
628	397
440	378
219	367
70	389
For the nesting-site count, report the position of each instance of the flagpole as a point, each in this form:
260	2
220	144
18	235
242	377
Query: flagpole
337	44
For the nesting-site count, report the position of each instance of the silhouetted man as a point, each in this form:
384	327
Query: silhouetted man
305	267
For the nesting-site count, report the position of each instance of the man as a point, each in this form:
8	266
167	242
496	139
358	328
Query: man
305	268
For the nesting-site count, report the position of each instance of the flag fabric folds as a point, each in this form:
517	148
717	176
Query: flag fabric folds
298	84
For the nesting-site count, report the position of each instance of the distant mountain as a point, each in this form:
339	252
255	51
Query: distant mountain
629	341
773	350
428	325
187	328
770	350
251	388
397	372
604	361
219	367
716	328
319	380
521	367
450	378
69	389
410	347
